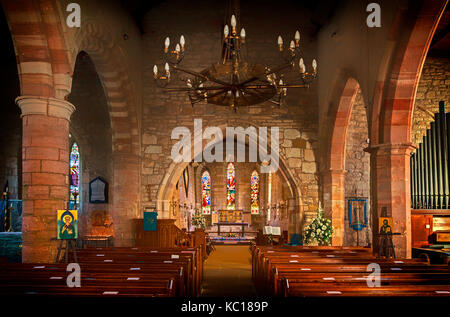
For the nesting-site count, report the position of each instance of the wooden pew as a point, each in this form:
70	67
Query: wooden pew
40	279
275	265
143	255
286	271
303	290
262	267
111	272
258	252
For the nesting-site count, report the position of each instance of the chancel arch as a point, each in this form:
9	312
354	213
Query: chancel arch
285	206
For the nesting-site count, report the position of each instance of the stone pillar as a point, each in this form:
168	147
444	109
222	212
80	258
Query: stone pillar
125	191
391	189
45	168
334	203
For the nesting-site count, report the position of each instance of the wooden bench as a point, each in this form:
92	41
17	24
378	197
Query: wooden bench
38	279
286	271
303	290
111	272
145	255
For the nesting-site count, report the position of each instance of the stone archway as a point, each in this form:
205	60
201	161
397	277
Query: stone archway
45	54
45	74
391	123
334	176
123	113
175	170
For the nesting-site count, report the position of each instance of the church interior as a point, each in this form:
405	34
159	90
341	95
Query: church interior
225	148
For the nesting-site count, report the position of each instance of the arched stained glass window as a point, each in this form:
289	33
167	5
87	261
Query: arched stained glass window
254	193
231	187
206	193
74	176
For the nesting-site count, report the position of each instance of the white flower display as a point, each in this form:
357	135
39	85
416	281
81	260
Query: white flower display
199	220
319	230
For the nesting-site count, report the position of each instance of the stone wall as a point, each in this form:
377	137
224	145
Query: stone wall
164	111
434	86
357	166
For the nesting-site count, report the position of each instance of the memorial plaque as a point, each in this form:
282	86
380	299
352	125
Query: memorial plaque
98	191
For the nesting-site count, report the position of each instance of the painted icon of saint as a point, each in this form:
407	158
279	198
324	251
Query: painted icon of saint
67	230
385	228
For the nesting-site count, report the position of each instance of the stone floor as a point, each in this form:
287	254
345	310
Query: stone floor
228	272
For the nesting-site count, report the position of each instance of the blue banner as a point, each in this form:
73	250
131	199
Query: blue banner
15	216
2	214
150	220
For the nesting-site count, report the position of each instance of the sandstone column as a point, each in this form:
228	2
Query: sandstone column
45	168
334	203
391	189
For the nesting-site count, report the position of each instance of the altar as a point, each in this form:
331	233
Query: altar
231	218
240	224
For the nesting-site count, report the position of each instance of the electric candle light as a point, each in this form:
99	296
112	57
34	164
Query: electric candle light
280	42
166	45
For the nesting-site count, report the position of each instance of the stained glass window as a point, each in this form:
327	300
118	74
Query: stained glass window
74	175
254	193
231	187
206	193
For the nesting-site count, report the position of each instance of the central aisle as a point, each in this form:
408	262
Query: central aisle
228	272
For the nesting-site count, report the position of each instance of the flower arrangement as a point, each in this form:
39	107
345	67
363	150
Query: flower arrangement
199	220
319	230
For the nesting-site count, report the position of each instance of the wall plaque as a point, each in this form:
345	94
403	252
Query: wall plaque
98	191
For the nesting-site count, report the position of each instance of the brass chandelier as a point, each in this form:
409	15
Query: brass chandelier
234	82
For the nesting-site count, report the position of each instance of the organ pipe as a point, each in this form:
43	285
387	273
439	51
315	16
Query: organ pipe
434	164
430	170
444	156
425	172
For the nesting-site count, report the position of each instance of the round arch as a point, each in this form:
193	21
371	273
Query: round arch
347	95
334	174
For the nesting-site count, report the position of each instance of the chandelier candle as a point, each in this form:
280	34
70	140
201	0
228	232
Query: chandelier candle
234	82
